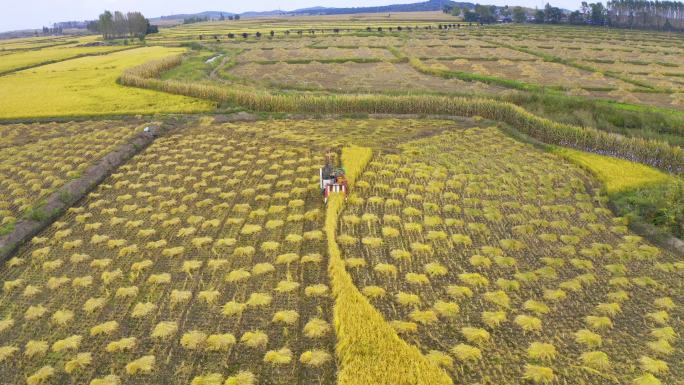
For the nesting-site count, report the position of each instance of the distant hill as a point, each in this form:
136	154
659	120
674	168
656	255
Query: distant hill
276	12
208	14
431	5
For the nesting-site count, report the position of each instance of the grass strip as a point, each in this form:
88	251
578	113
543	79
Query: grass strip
369	350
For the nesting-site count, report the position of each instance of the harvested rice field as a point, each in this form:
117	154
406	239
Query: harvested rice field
502	278
370	199
36	159
351	77
495	60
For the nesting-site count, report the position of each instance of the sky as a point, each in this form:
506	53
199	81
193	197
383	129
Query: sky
24	14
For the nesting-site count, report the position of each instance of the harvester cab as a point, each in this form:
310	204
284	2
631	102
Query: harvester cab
332	179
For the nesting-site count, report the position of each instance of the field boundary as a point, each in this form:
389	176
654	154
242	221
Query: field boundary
56	203
369	350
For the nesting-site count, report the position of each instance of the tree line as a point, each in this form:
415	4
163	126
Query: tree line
199	19
644	14
664	15
119	25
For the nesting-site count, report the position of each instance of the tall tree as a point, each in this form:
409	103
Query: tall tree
119	25
598	13
645	14
470	16
576	18
485	13
552	15
107	24
519	15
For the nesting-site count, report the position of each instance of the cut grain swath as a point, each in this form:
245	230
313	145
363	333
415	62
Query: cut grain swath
369	349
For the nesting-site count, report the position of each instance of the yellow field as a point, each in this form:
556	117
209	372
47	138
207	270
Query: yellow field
33	42
23	59
53	90
618	175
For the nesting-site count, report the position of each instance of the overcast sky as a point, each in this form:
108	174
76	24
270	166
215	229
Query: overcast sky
21	14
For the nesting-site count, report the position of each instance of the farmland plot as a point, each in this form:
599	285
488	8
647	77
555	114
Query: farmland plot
506	270
54	90
461	47
34	42
326	53
201	260
352	23
535	72
487	61
36	159
24	59
352	77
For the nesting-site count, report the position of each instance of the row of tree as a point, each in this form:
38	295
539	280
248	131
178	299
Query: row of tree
663	15
666	15
230	17
199	19
119	25
334	30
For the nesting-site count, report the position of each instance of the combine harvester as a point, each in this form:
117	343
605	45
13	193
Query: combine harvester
332	179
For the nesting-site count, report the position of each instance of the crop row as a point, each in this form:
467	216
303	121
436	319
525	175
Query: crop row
34	165
503	269
201	260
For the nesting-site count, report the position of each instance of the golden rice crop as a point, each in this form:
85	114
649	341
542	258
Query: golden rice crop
52	90
282	289
502	282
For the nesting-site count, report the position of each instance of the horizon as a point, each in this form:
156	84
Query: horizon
35	14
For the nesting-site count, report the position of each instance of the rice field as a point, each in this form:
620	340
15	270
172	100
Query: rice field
352	23
36	159
32	58
208	258
53	90
497	176
350	77
628	67
507	269
203	257
35	42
